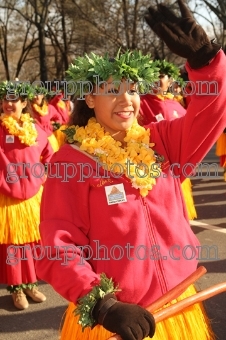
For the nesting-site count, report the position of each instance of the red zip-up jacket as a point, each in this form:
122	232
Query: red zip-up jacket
22	170
60	105
145	244
45	122
151	106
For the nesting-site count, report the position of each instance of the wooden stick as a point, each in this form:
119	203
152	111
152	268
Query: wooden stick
177	291
172	293
189	301
181	305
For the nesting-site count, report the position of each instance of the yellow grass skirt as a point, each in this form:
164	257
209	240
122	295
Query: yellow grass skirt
221	145
60	136
54	143
191	324
188	197
19	219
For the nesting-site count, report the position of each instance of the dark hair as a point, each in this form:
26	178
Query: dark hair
43	100
28	108
81	113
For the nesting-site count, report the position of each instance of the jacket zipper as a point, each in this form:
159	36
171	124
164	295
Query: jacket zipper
158	262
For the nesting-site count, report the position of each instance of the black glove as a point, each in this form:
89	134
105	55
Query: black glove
183	35
130	321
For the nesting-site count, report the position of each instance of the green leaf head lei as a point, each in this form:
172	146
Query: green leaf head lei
40	90
131	65
169	69
14	90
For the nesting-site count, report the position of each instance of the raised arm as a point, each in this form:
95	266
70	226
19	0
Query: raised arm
188	139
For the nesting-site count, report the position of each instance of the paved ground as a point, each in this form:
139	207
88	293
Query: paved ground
41	321
210	227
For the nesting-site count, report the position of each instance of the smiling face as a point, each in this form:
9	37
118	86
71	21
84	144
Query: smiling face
38	99
115	108
13	107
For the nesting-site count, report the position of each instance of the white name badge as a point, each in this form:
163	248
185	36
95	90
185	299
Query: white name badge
175	114
159	117
115	194
9	139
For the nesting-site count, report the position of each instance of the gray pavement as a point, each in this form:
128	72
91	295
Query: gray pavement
210	227
42	321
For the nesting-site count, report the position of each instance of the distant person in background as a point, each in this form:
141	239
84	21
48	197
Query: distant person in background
64	106
168	104
23	146
161	103
46	116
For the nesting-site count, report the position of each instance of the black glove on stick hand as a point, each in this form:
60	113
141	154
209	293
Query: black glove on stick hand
182	35
130	321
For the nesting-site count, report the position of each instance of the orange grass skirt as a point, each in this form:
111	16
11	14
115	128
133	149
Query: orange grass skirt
54	142
191	324
221	145
19	219
188	198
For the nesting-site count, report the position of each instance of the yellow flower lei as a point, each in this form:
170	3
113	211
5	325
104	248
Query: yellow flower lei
61	104
26	133
165	96
43	111
178	98
95	141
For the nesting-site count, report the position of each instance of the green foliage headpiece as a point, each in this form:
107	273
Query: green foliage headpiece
167	68
40	90
131	65
9	89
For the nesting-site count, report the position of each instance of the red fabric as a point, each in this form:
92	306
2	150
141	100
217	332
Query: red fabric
187	100
45	121
80	216
24	180
18	263
151	106
60	105
223	160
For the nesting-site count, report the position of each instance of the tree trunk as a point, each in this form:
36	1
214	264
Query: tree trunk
65	55
42	53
